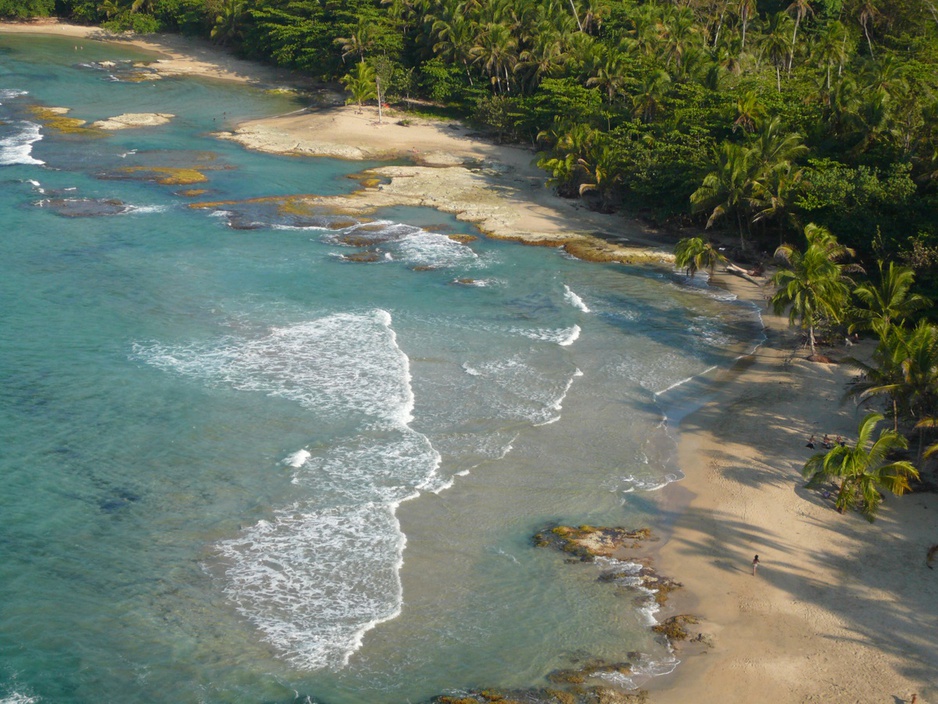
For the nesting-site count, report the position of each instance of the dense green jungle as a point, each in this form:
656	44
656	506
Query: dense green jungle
808	128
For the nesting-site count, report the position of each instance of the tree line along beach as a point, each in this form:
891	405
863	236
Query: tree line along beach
840	609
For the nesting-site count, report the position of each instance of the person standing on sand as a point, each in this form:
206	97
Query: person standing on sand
755	563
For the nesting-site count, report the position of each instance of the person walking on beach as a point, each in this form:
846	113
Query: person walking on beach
755	563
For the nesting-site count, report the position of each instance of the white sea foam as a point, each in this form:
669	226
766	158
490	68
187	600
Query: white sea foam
17	698
17	148
574	299
11	93
643	668
146	209
573	336
433	250
324	571
315	581
297	459
681	382
633	483
561	336
342	364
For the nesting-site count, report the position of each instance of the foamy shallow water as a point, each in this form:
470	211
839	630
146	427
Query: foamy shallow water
240	467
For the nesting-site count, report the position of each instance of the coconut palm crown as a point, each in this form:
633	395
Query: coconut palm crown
863	468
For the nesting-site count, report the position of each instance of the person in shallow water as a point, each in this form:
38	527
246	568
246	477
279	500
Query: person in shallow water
755	563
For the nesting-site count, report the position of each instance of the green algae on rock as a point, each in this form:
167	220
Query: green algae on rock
674	628
588	542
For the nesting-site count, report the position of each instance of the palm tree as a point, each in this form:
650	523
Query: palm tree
863	469
680	34
748	111
495	49
905	369
454	36
776	45
647	102
772	149
360	82
813	287
694	254
609	75
831	48
228	21
728	186
889	303
543	57
359	41
567	158
798	8
109	8
772	193
747	8
868	11
601	170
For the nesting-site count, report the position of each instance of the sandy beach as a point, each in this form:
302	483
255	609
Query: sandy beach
840	610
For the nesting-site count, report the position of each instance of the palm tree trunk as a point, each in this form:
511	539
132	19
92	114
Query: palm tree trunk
868	40
576	16
716	36
794	36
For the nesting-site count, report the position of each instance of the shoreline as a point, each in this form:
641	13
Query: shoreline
841	610
495	187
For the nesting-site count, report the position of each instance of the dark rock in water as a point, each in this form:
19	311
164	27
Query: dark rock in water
237	223
576	695
589	542
84	207
369	256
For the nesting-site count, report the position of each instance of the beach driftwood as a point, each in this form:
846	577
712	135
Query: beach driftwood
743	273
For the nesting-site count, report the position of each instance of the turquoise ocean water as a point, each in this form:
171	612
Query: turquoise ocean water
238	467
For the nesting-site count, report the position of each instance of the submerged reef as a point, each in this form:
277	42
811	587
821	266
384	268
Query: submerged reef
546	695
618	551
56	118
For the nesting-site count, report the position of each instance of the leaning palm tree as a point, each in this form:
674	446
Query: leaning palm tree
694	254
814	285
863	469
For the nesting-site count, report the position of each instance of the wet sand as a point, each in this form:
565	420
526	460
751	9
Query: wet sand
840	610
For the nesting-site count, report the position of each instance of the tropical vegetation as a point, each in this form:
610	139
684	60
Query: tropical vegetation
753	116
862	469
804	127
